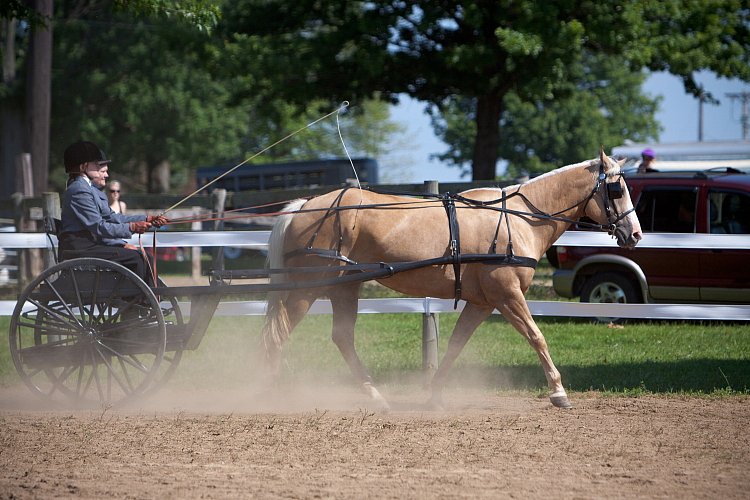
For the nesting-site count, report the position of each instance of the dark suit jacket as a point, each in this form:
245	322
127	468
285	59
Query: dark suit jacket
86	208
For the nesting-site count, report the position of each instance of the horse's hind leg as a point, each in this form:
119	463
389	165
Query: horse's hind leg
285	311
344	304
516	311
471	317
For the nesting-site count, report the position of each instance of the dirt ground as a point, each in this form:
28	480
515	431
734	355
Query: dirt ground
328	444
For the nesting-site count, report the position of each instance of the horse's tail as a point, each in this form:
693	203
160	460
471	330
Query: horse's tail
276	328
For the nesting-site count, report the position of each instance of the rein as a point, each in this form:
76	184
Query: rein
417	204
447	200
353	271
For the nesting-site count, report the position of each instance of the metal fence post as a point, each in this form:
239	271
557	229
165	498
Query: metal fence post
219	197
195	252
430	335
430	322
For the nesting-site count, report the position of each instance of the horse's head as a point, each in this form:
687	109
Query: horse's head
610	204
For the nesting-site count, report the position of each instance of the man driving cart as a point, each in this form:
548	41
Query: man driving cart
89	225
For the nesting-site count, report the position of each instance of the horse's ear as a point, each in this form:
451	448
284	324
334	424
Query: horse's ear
621	162
603	158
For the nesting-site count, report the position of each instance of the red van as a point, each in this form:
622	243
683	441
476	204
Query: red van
710	201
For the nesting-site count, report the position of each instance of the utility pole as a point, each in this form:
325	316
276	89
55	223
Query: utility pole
703	97
701	100
744	98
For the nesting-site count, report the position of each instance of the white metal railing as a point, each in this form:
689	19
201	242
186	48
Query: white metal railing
707	312
259	239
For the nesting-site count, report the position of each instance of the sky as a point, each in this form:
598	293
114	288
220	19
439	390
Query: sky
678	116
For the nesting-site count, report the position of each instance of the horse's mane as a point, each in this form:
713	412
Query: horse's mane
546	175
560	171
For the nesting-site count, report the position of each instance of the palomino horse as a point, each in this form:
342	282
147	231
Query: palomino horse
352	226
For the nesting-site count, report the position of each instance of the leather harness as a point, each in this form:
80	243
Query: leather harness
353	271
455	257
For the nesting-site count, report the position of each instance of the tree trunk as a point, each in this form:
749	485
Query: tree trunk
11	115
8	49
487	141
38	96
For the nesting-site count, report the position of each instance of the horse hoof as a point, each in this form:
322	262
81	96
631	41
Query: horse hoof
377	398
561	402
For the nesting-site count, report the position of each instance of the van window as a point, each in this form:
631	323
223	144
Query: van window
729	212
667	210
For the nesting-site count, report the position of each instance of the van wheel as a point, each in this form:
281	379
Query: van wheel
609	288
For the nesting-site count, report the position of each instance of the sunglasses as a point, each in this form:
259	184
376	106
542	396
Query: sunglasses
114	190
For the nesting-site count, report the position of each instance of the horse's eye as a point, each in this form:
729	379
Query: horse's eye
614	190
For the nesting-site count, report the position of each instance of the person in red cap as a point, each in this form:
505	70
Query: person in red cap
89	226
648	157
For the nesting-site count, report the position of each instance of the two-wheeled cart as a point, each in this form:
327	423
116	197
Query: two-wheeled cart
89	332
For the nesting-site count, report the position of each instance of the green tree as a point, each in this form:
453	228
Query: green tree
145	91
39	18
159	98
481	50
603	106
366	130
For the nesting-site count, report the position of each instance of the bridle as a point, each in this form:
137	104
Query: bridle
612	191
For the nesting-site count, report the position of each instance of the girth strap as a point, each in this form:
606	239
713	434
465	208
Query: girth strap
454	245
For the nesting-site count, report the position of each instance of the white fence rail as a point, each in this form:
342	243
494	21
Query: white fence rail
259	239
539	308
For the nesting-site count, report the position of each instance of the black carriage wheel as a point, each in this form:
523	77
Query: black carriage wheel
87	333
175	325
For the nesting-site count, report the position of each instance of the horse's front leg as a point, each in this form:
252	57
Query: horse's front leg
516	311
344	304
471	317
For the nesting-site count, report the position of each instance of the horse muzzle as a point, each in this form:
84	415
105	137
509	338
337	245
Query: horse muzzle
626	237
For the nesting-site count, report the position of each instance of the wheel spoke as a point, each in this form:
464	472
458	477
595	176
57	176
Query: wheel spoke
47	330
54	314
100	313
59	381
92	374
61	301
135	364
79	380
77	289
125	373
112	375
95	371
123	326
47	345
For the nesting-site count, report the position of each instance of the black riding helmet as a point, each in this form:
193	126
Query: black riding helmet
82	152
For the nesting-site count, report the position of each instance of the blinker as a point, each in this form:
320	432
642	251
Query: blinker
614	190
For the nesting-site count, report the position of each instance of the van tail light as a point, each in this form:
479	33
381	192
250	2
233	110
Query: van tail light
562	255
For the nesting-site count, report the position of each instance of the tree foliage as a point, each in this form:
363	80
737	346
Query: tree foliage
144	90
162	91
363	129
484	51
167	84
604	107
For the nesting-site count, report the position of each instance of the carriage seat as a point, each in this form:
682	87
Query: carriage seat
54	226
